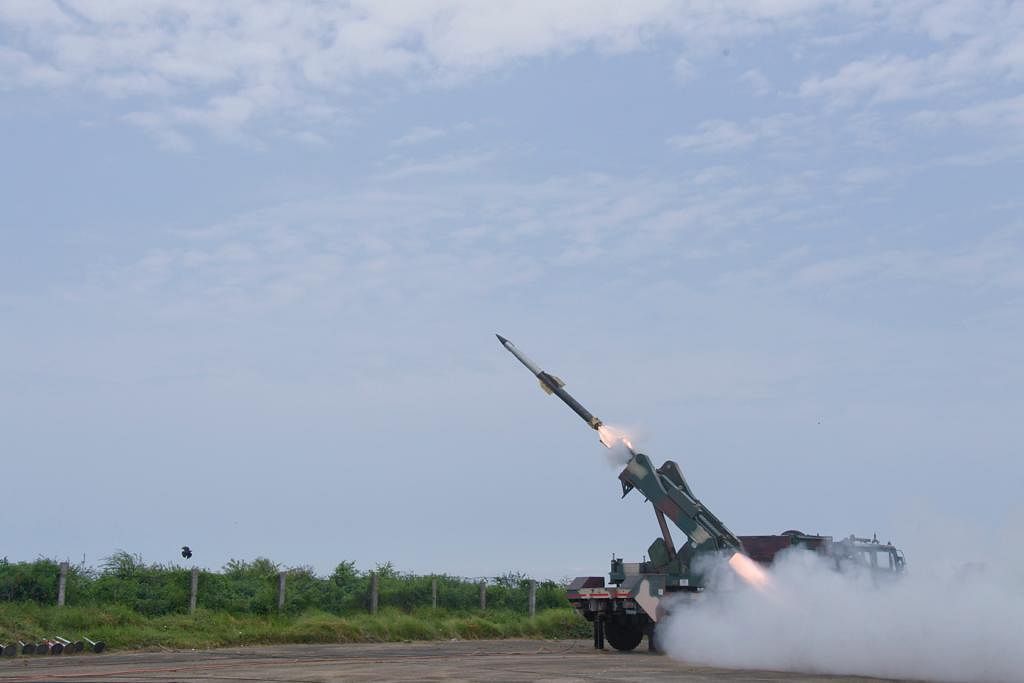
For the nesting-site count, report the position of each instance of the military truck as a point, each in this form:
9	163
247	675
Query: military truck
633	601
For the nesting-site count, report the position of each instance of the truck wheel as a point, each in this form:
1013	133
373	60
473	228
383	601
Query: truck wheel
623	637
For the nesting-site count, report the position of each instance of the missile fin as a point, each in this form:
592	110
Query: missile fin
545	387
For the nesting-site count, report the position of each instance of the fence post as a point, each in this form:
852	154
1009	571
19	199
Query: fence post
374	592
483	595
62	583
193	591
281	577
433	592
533	599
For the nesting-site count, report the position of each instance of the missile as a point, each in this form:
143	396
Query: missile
554	385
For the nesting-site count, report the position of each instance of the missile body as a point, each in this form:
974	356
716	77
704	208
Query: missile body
551	384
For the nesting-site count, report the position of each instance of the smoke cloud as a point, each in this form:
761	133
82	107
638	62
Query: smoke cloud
956	621
618	455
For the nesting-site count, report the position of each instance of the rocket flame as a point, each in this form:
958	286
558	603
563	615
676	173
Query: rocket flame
609	437
749	571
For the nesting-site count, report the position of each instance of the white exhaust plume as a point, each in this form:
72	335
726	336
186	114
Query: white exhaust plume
963	624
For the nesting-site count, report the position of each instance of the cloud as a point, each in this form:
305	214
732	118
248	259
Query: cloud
885	78
432	238
994	260
225	65
396	241
167	137
32	12
449	163
418	135
720	135
867	175
716	136
1006	115
757	81
972	43
684	70
309	138
18	69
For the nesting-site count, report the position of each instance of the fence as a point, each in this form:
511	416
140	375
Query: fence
262	587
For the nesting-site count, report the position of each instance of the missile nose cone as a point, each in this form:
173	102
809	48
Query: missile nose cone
501	339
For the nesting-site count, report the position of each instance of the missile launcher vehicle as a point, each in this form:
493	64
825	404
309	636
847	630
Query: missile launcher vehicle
637	594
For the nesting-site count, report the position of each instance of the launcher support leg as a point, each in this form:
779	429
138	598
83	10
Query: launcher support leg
598	632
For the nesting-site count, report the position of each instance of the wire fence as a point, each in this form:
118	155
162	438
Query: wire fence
263	587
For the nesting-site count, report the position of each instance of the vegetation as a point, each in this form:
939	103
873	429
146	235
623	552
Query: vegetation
130	604
120	627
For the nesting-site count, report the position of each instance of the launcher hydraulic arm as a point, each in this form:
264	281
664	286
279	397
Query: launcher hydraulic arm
667	490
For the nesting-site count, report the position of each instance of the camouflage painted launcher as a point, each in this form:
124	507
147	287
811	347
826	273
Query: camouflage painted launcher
667	490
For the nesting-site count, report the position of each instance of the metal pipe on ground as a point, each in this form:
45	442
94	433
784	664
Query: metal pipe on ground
96	646
55	647
71	647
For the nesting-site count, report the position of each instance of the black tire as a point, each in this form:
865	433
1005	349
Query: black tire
623	637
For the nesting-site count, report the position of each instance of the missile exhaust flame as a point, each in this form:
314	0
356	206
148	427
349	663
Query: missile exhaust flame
749	571
612	437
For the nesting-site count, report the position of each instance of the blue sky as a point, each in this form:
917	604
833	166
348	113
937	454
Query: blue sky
252	258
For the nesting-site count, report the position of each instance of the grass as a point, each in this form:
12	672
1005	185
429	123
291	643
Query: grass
123	628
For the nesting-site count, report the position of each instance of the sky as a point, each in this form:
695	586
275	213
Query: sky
253	256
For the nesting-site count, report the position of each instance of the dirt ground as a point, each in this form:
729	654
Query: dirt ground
495	660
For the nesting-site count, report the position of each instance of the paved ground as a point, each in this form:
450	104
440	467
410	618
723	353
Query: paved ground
495	660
